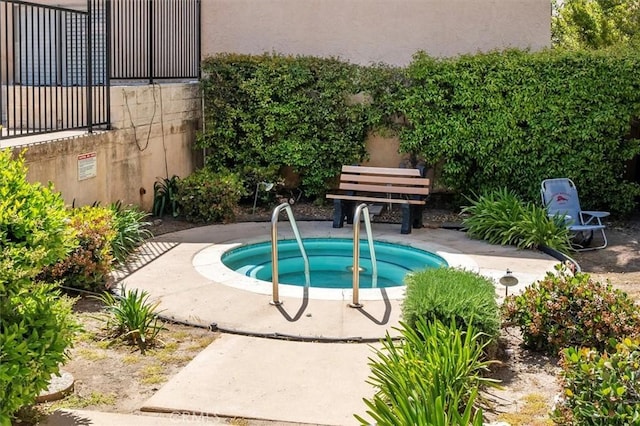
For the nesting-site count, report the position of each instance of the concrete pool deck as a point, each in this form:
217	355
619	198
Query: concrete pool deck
313	381
166	270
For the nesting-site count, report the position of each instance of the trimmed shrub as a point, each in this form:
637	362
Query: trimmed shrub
311	114
565	310
36	325
88	265
447	294
430	377
205	196
500	217
130	230
600	389
511	119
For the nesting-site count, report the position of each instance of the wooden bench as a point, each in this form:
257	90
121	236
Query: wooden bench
381	185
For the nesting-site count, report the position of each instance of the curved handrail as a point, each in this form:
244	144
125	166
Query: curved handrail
274	250
356	253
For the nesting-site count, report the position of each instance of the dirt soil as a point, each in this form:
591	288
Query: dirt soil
117	378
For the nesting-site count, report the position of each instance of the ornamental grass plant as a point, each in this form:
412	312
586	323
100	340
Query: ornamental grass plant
500	217
429	377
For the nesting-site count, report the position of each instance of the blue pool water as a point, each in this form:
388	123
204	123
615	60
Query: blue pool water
330	261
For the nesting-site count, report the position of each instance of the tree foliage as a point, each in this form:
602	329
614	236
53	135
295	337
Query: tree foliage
595	24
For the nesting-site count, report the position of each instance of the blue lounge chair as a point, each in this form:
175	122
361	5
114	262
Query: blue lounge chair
560	196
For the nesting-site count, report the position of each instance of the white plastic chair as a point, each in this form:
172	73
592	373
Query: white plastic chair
560	196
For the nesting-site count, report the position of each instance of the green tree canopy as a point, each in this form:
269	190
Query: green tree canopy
595	24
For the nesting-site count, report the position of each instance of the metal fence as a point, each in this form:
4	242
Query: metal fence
56	64
52	69
155	39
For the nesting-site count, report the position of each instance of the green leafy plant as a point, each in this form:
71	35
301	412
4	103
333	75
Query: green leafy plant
512	119
600	388
500	217
36	324
165	197
206	196
133	317
311	114
565	310
87	266
130	230
594	24
447	294
430	377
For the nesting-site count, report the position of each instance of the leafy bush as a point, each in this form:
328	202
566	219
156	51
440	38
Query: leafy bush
254	176
130	230
273	110
430	377
500	217
36	326
600	389
133	317
205	196
565	310
447	294
88	265
511	119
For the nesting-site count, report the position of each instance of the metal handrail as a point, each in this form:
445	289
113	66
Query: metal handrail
274	250
356	253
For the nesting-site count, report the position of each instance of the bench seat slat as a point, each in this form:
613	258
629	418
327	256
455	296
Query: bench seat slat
391	180
384	189
381	171
375	199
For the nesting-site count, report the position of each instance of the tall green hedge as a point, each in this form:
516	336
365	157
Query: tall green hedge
503	119
291	111
512	119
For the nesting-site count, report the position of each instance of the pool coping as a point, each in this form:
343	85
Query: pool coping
208	263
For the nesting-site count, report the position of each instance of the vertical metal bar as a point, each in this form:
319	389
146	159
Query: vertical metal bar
42	109
59	78
4	47
18	61
50	86
108	65
150	41
89	67
30	108
275	290
198	57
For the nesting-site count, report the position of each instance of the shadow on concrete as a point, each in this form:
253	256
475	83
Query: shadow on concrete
387	310
303	307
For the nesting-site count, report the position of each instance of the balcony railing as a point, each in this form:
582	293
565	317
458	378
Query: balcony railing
56	64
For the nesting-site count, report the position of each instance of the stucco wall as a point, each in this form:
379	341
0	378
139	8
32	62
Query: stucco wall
154	129
367	31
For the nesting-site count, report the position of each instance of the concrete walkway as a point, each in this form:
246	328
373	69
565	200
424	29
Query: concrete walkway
310	381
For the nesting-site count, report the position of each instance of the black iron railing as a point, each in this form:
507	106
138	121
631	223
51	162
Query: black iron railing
56	64
155	39
53	73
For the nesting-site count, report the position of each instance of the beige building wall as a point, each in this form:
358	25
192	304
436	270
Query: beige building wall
154	130
369	31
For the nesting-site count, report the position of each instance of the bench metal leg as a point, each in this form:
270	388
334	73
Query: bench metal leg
342	210
405	228
416	216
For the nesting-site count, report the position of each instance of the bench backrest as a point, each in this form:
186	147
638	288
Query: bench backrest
383	180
